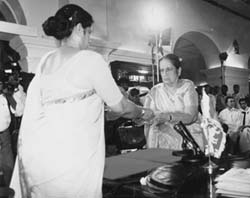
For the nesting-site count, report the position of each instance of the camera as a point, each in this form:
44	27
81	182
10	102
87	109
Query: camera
10	77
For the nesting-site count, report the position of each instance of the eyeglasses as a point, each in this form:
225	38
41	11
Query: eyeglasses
168	69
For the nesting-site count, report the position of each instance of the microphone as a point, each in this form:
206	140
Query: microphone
188	139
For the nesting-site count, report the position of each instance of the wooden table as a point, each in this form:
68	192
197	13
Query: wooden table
123	173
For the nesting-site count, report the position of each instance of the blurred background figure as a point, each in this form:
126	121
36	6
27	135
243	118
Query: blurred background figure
230	118
6	155
134	95
221	97
15	96
237	95
123	84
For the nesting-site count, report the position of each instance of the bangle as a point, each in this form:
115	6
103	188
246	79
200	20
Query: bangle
142	113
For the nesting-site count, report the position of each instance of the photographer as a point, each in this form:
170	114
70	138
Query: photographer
6	155
16	100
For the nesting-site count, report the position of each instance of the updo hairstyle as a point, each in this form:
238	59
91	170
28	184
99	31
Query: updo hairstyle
66	18
175	60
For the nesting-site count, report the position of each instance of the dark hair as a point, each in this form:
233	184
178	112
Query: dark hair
134	92
236	85
66	18
242	100
227	98
208	89
175	60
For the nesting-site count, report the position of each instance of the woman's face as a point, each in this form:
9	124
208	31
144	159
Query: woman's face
86	36
169	73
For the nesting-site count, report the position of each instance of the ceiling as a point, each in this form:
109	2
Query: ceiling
240	8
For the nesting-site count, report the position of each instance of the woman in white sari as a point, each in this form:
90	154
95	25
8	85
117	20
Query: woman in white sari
172	101
61	143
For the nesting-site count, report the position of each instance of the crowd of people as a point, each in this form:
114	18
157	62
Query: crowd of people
233	113
61	143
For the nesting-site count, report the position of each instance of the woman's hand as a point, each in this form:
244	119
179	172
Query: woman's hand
146	117
161	118
147	114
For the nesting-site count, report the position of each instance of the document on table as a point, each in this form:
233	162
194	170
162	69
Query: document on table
234	183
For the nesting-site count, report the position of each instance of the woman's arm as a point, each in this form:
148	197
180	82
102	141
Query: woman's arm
189	113
127	109
100	78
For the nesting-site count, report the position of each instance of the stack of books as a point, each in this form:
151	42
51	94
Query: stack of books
234	183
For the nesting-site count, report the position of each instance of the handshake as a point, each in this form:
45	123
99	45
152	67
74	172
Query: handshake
146	117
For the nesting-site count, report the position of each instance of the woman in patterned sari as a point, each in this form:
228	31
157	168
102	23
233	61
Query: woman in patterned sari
172	101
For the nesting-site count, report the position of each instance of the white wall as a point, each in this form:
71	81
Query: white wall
37	11
123	21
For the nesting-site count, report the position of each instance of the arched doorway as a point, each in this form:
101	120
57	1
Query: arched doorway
12	12
7	14
198	52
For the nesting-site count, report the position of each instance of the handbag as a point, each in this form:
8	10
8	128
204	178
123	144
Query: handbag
130	136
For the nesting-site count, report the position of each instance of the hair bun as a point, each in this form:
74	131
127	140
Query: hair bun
59	27
66	18
50	26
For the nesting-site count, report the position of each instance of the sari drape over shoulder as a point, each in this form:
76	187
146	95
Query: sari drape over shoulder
61	148
160	100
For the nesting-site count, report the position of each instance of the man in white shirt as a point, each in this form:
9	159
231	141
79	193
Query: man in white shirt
16	100
6	155
245	112
231	116
244	132
19	96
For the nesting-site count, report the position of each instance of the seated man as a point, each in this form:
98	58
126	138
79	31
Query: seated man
244	132
231	117
245	111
